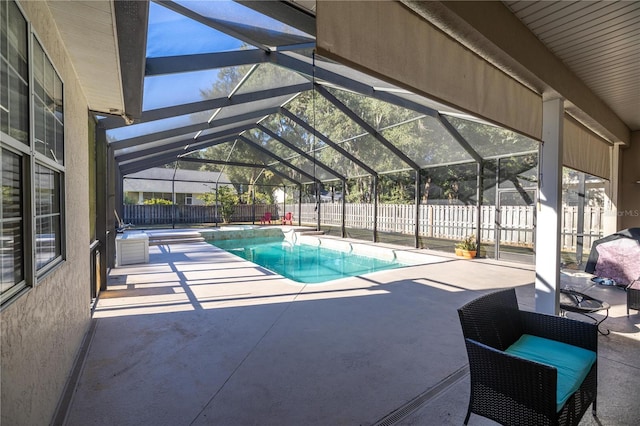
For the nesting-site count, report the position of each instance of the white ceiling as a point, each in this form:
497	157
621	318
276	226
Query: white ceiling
89	34
599	41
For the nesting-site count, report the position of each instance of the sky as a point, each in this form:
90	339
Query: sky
171	34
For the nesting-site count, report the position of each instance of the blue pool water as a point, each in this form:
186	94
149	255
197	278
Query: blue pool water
303	263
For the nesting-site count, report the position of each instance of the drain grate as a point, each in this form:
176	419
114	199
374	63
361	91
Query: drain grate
421	399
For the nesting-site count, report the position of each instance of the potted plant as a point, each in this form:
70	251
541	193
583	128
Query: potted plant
467	247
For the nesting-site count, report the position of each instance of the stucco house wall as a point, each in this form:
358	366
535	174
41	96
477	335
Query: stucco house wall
42	330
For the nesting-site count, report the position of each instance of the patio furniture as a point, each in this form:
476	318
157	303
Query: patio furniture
132	248
574	301
288	217
528	368
633	296
266	218
616	257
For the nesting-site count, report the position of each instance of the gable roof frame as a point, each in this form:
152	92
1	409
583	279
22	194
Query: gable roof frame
328	141
193	128
306	155
181	144
240	164
235	30
367	127
318	74
206	105
277	158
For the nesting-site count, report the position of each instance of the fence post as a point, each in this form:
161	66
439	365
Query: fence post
479	205
375	208
580	221
299	205
417	211
253	205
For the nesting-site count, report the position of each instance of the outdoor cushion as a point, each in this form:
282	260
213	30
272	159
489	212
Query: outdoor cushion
573	363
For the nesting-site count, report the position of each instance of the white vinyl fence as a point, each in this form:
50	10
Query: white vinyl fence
515	223
592	228
453	222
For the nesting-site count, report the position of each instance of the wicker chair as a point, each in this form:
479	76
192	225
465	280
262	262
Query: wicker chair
513	390
633	296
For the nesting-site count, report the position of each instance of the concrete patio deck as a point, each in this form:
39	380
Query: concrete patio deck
198	336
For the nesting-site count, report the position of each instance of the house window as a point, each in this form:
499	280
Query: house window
14	98
48	217
12	222
48	113
32	173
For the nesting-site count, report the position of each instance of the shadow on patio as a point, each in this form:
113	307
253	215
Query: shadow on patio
198	336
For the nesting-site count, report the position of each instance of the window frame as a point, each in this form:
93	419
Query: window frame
31	160
59	242
21	285
50	163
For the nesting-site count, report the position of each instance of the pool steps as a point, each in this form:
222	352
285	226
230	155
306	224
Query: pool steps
370	250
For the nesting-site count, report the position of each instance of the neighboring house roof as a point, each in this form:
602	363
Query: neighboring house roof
186	181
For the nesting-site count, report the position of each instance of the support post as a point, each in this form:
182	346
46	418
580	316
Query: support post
479	183
582	189
253	204
217	206
547	285
375	208
284	201
344	206
104	212
318	203
114	203
173	197
300	204
417	211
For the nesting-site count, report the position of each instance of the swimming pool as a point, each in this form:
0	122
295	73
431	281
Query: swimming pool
304	263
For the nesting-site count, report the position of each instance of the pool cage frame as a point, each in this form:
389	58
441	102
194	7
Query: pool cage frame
479	161
316	184
249	109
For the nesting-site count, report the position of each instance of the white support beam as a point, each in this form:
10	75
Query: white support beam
547	285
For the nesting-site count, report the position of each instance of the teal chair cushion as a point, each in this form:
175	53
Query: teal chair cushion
573	363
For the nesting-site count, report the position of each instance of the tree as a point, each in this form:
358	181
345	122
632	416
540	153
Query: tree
226	197
422	138
228	200
129	200
208	198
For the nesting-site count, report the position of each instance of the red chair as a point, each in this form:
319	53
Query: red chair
288	217
266	218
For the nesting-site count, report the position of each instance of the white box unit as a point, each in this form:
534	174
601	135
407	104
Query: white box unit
132	248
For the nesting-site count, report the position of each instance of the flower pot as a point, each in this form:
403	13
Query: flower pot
468	254
458	252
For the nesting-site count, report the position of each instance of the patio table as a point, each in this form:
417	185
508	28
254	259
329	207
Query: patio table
574	301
